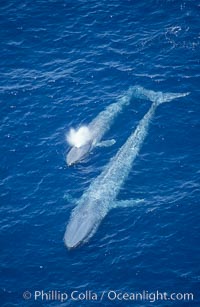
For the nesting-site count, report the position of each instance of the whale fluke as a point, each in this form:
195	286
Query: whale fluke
156	97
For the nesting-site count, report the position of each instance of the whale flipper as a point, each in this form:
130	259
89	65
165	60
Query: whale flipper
69	198
127	203
106	143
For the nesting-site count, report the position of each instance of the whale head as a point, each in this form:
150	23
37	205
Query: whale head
76	154
81	227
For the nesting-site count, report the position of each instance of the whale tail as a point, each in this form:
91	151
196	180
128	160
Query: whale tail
156	97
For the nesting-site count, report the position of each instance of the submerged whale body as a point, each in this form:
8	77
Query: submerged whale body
86	138
101	195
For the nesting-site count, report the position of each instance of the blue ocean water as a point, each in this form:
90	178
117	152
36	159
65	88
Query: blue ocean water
62	62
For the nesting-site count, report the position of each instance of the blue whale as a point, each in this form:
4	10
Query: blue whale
98	127
102	193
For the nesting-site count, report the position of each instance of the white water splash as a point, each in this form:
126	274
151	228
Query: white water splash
79	137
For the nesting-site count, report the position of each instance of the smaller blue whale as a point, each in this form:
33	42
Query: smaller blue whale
97	129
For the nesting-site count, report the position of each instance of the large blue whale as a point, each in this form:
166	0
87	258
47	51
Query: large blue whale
101	195
98	127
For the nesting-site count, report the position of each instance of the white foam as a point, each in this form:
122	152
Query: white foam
79	137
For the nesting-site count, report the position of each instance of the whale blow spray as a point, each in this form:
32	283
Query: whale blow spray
79	137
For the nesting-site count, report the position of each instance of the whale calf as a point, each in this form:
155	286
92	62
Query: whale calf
102	193
96	130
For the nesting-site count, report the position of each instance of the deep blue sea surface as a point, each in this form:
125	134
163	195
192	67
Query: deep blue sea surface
62	62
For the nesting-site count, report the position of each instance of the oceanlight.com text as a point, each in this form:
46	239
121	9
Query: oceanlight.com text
110	295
